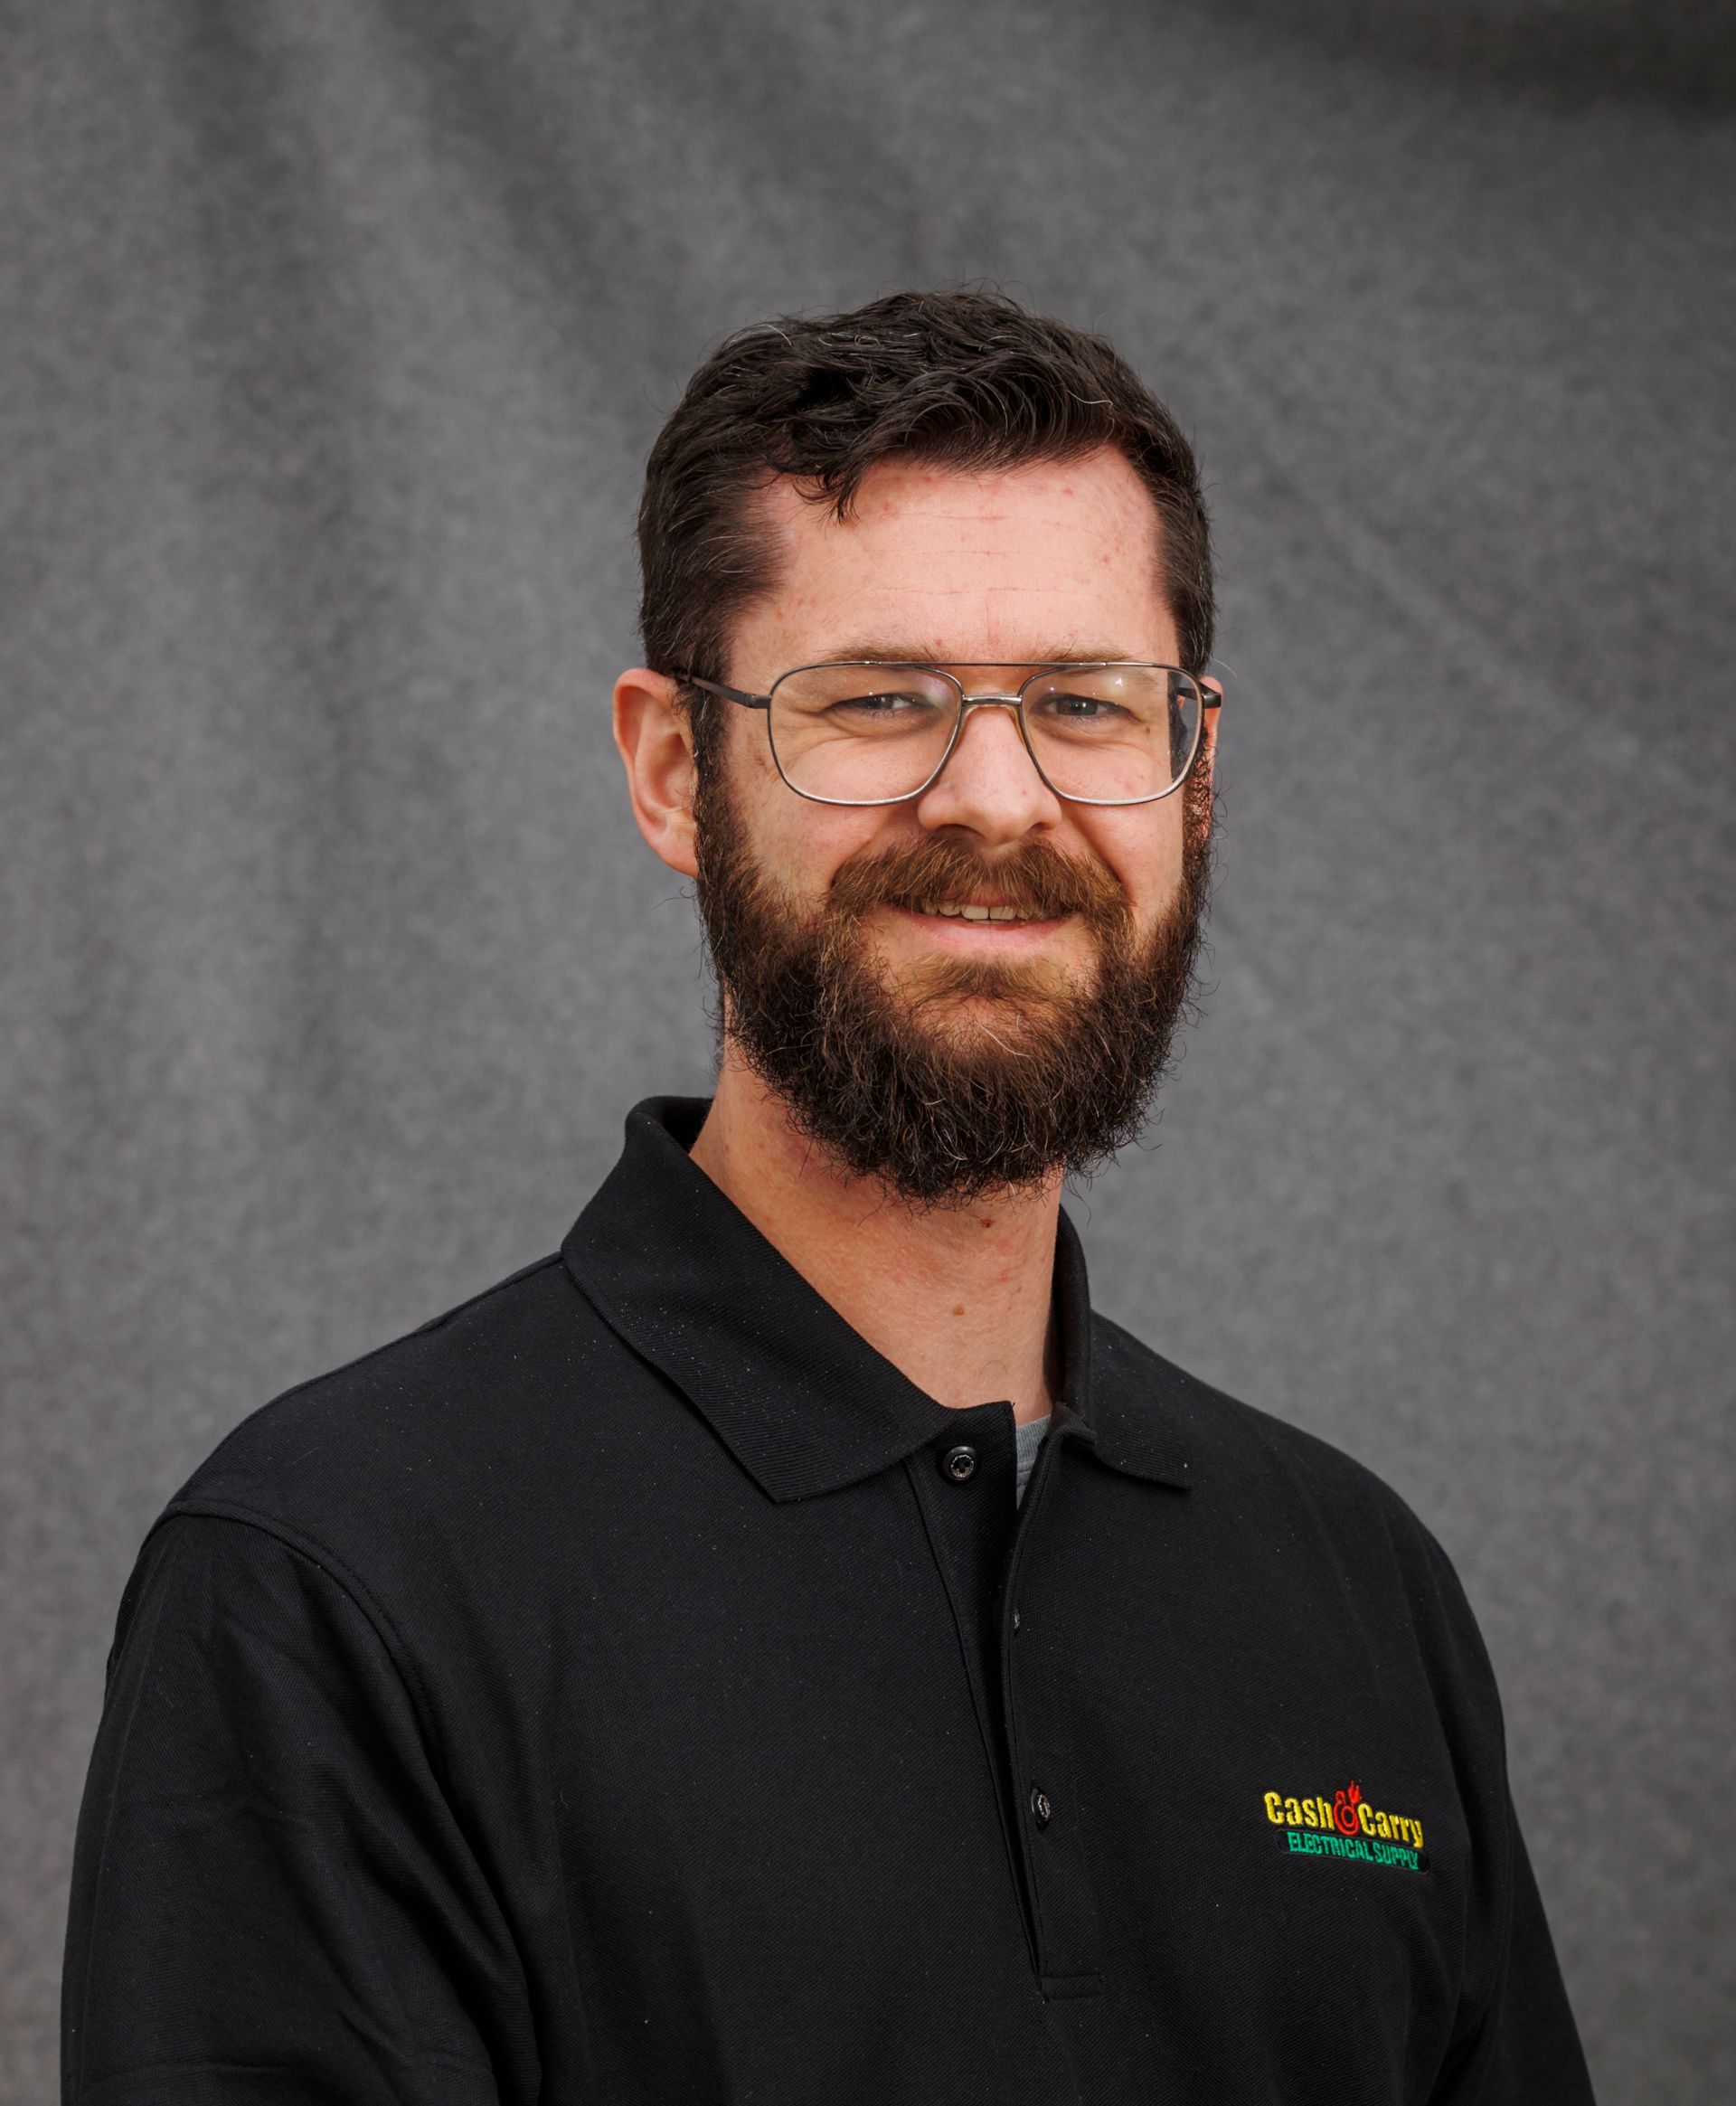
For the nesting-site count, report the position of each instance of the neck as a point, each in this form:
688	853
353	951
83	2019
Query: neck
957	1299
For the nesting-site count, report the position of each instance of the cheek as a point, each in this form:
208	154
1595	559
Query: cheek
1142	846
797	842
752	789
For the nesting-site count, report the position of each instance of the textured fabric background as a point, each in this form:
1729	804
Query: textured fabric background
335	333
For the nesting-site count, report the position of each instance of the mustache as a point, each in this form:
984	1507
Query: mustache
1033	879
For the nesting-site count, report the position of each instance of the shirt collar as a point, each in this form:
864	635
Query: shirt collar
801	1400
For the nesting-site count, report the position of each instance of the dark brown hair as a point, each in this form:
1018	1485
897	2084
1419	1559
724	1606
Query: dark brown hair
966	379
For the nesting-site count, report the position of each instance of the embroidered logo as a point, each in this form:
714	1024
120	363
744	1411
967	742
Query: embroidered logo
1342	1824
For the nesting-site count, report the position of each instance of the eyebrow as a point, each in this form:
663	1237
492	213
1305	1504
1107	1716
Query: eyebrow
905	654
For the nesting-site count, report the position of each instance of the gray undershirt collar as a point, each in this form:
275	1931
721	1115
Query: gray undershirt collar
1030	1438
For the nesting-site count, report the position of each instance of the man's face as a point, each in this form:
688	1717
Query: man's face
943	1055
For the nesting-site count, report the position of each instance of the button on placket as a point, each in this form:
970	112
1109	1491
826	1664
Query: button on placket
1055	1844
959	1463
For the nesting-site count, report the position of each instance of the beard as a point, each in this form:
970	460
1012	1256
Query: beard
978	1076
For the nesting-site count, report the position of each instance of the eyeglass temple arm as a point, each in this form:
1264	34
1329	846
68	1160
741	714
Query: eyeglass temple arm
729	694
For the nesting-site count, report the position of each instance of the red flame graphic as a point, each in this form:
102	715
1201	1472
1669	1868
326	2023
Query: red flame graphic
1343	1810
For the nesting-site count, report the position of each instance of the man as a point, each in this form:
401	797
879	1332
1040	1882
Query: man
786	1648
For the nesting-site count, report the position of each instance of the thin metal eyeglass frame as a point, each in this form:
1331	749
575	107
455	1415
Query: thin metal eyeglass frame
1209	699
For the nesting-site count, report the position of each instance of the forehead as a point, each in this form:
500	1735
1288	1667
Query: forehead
1048	560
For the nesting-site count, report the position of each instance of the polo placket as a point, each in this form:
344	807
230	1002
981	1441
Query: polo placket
963	1483
1047	1785
982	1543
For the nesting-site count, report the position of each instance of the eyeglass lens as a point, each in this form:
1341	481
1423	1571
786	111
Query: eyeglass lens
871	734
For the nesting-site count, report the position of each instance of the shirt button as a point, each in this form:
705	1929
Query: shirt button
959	1463
1040	1808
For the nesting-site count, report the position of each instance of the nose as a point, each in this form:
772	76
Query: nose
990	784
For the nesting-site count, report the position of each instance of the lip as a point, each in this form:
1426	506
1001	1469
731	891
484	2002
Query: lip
997	939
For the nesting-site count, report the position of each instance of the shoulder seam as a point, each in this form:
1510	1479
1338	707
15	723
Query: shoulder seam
355	1590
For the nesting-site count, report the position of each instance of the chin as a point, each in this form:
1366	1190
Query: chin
964	1021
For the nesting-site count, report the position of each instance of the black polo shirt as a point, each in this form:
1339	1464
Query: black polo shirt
630	1688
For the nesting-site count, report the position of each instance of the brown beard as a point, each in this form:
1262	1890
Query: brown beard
921	1090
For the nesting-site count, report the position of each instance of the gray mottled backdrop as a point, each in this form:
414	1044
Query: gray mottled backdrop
335	332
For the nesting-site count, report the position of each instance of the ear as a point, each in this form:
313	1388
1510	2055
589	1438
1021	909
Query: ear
656	744
1209	727
1199	808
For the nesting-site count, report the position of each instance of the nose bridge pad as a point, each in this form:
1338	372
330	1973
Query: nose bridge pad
1010	702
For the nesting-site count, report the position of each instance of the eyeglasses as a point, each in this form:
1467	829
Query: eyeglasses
864	733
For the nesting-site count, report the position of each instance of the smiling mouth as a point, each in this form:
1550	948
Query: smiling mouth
967	910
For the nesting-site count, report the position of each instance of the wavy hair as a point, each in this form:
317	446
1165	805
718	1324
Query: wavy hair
965	379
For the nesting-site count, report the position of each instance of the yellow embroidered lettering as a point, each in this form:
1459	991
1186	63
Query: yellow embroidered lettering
1347	1825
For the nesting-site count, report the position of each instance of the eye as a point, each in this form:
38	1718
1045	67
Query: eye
1080	709
886	704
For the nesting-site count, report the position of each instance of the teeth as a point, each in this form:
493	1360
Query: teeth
955	911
